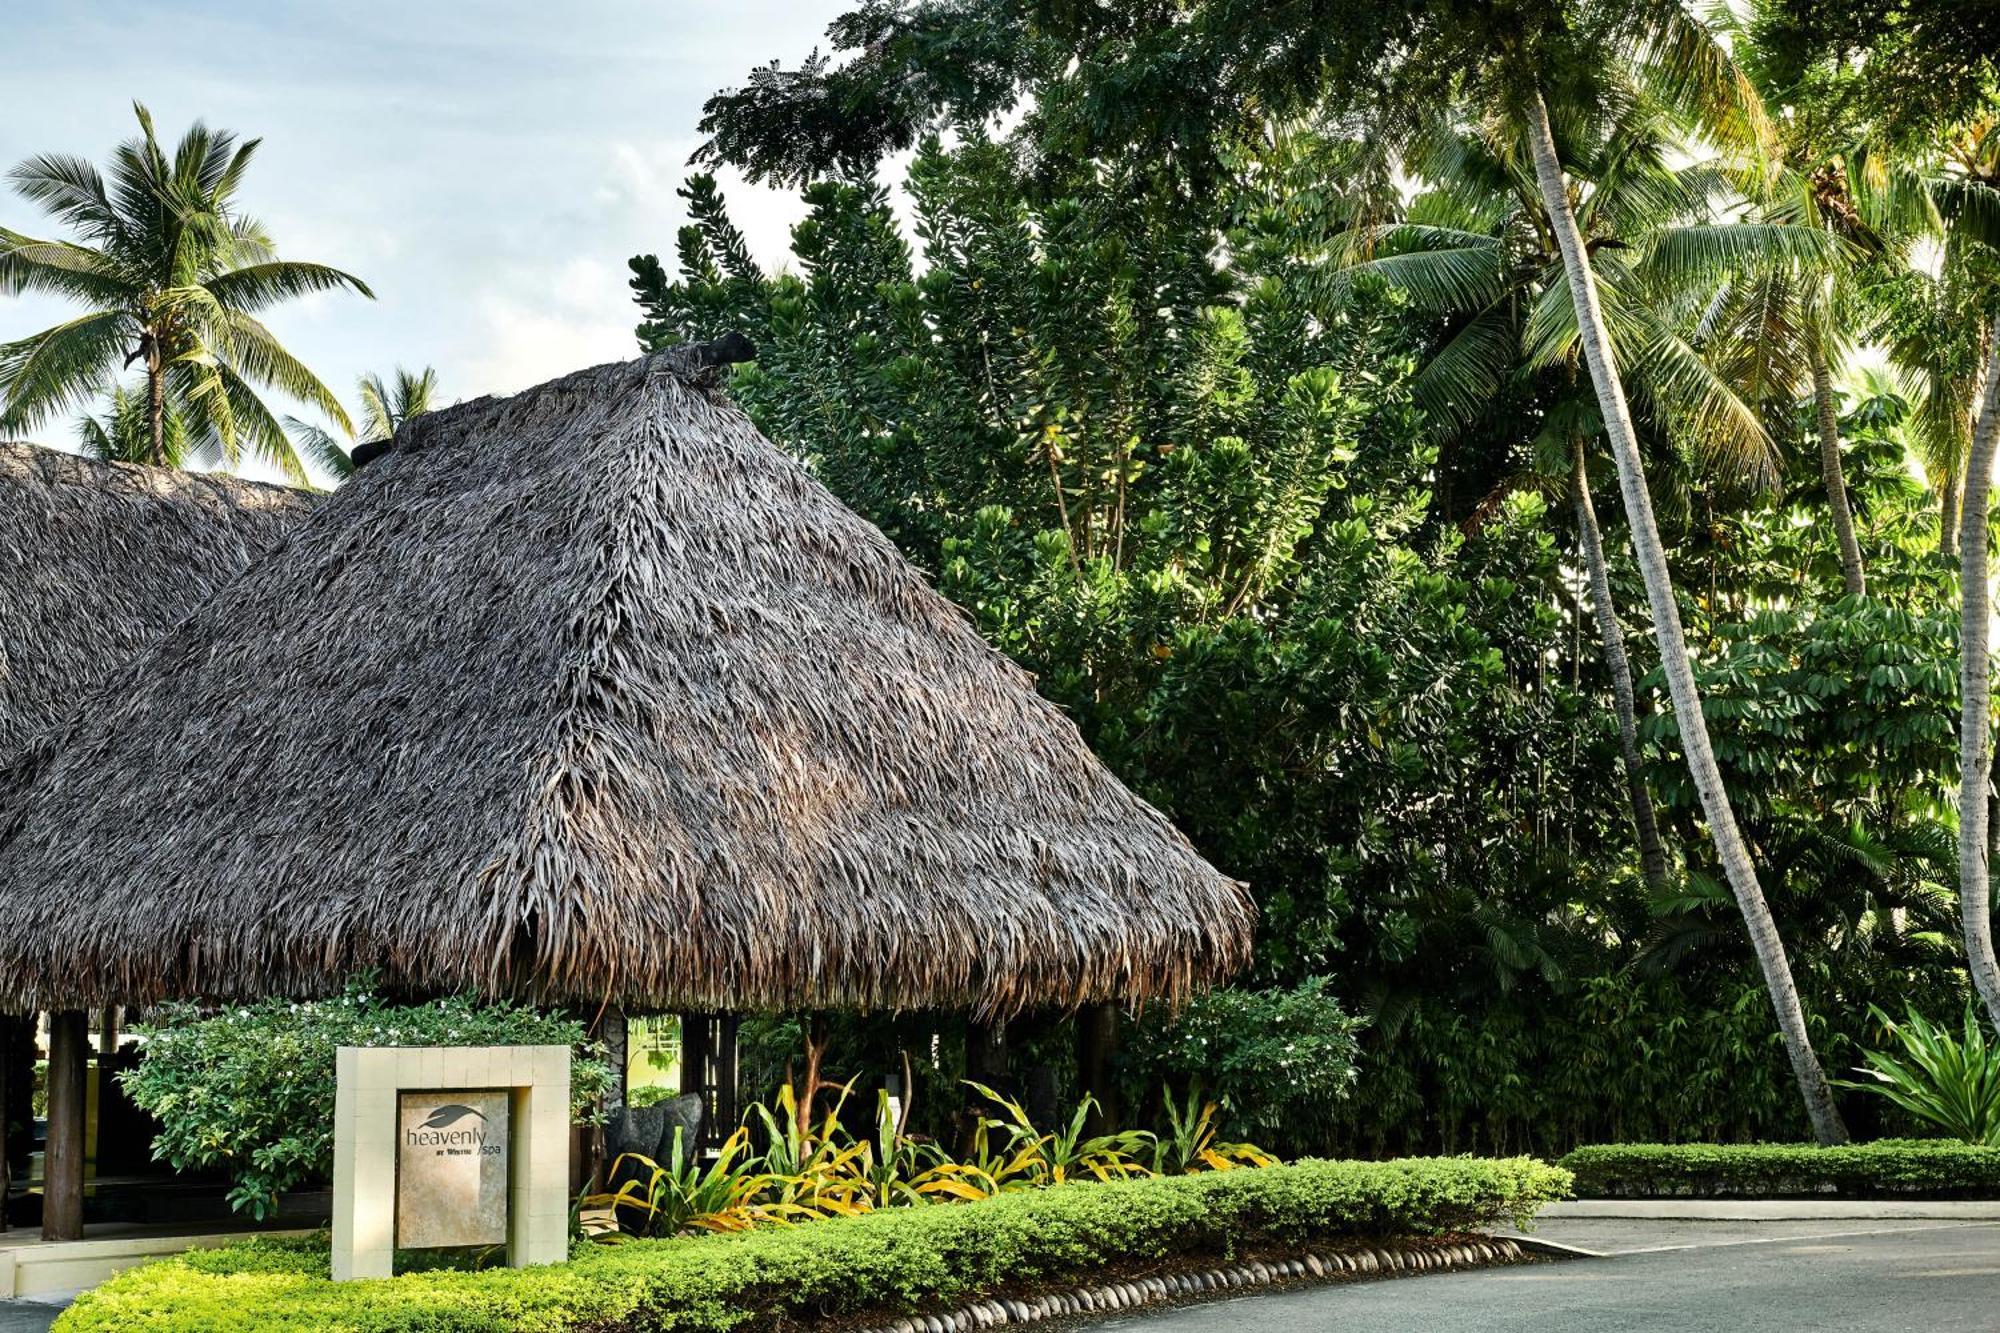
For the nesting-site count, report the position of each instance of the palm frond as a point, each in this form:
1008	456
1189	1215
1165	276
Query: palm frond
252	352
258	286
59	268
1680	255
1460	380
60	368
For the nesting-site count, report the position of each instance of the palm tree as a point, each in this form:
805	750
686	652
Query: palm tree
385	406
1781	325
1666	46
123	434
172	277
1477	250
1968	200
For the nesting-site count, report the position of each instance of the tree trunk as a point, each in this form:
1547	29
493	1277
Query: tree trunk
156	407
1652	856
1975	724
1836	484
1948	516
62	1164
1646	546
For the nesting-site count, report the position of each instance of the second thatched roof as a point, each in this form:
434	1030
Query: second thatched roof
99	560
592	694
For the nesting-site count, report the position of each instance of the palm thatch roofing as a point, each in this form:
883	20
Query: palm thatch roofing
99	560
592	694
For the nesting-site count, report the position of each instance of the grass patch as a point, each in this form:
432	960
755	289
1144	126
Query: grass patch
1888	1168
897	1259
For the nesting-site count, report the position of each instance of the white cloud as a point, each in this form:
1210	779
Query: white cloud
642	192
533	325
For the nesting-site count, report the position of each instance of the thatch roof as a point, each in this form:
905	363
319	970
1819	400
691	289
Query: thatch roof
99	560
591	694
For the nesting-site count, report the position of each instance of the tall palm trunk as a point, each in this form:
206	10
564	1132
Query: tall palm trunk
1975	722
1836	483
1646	546
1652	856
156	405
1948	515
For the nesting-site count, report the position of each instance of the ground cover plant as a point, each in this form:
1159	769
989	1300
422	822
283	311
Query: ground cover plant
894	1259
1923	1168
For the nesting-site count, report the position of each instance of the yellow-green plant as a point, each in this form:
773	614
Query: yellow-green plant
682	1195
1190	1143
807	1168
897	1169
1064	1154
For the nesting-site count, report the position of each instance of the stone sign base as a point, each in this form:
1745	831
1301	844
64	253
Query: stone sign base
496	1144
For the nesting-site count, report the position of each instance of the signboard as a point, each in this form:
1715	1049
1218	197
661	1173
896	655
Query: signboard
451	1168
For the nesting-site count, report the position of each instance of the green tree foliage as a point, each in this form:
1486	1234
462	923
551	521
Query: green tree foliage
1272	1060
1188	488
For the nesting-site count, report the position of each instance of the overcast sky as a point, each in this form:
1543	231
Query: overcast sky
487	168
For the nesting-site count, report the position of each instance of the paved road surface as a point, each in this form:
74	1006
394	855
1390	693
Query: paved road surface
1854	1275
26	1316
1690	1275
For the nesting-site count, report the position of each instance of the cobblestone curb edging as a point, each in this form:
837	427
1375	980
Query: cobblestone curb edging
1321	1265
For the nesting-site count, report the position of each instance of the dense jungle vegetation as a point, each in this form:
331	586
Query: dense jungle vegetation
1226	364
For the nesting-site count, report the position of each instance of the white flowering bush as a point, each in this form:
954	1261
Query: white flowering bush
1274	1060
250	1088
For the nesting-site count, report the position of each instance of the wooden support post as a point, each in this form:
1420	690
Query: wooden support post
8	1024
694	1053
1096	1055
62	1167
727	1113
986	1053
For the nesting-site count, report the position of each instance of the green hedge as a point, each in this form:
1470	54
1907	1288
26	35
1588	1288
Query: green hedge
900	1258
1922	1168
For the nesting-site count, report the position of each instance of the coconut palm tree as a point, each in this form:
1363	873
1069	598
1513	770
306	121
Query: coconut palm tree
172	276
1667	49
123	433
1968	200
1477	250
385	406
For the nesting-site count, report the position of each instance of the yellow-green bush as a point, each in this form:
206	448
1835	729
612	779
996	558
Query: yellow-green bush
895	1259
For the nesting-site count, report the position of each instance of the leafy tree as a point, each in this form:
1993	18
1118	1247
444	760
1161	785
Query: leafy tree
1476	248
172	275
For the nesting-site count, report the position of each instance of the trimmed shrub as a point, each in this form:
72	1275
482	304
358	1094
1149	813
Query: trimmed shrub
897	1259
1919	1168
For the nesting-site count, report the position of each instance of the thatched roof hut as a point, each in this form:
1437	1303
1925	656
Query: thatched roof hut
592	694
99	560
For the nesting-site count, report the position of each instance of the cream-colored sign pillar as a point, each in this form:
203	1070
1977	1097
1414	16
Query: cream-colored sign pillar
470	1143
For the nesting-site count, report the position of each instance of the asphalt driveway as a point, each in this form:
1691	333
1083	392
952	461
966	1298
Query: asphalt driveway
1856	1274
